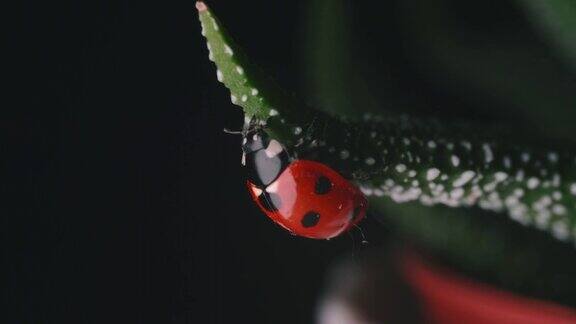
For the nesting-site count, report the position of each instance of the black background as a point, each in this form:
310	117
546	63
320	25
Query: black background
130	204
125	200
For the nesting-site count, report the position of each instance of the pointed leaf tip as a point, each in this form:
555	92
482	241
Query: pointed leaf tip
201	6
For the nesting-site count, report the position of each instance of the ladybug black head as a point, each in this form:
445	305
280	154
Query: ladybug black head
254	140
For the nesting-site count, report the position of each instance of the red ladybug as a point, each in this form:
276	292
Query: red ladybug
305	197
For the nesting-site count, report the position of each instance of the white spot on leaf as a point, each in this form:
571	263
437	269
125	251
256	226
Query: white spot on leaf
228	50
553	157
488	155
573	189
432	174
214	24
533	183
455	160
464	178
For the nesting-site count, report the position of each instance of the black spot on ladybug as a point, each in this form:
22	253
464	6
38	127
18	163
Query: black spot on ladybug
270	201
356	212
310	219
323	185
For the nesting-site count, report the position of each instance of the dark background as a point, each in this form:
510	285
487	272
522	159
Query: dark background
130	204
126	202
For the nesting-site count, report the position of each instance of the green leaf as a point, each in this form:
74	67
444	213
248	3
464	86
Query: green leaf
327	74
260	98
502	66
232	68
331	77
557	22
409	159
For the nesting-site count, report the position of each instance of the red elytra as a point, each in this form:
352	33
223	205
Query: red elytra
305	212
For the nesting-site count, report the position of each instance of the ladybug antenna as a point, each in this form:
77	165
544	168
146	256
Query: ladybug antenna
245	130
364	241
250	124
228	131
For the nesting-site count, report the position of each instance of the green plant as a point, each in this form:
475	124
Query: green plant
424	162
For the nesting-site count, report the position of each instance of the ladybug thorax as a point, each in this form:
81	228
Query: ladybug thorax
265	159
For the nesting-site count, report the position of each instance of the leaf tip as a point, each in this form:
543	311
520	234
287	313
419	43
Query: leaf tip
201	6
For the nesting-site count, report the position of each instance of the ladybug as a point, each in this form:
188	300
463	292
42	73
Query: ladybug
305	197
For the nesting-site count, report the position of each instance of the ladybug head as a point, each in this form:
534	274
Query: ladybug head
254	140
263	157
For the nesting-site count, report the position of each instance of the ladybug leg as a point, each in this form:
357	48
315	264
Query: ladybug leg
364	240
252	124
299	143
242	132
233	132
